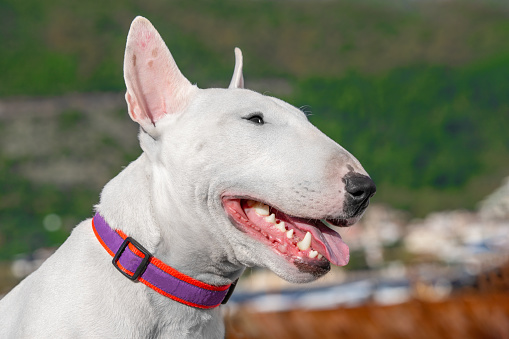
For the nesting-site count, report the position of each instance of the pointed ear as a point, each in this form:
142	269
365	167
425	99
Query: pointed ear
155	86
238	78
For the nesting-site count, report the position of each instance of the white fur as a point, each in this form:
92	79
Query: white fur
197	146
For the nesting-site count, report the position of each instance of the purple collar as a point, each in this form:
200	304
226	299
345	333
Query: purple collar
137	264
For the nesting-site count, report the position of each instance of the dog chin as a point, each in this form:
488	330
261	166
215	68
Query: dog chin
300	271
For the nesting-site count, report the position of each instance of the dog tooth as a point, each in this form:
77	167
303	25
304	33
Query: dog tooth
305	243
262	209
320	256
289	234
313	254
271	218
281	226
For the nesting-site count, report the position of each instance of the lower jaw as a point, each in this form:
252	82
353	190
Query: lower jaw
300	259
313	266
291	251
291	254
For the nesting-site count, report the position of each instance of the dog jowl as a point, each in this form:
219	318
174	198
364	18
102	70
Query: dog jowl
228	179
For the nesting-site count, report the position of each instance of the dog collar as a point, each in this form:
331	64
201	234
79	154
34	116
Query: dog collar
138	264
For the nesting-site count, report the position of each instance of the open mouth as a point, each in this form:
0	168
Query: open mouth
308	242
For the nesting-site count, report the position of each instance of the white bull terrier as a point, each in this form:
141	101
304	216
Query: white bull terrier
228	179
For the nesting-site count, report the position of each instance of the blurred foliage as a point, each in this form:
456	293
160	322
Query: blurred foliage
63	178
418	91
24	205
58	46
421	126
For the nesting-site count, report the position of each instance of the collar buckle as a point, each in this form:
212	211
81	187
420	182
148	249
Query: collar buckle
141	267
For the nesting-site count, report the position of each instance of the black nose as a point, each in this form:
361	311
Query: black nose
359	189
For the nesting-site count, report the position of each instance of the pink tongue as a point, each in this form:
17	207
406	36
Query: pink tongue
334	248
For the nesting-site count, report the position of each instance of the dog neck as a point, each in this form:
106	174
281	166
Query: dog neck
137	264
127	202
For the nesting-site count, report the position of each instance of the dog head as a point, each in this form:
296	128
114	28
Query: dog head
248	171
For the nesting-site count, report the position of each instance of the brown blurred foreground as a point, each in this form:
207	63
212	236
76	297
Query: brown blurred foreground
478	311
464	316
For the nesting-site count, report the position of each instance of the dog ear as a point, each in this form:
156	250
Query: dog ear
155	85
237	78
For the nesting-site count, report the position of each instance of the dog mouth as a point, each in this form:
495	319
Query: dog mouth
309	243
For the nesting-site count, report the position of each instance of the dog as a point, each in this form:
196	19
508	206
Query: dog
228	179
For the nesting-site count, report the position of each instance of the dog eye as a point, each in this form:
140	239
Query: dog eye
257	119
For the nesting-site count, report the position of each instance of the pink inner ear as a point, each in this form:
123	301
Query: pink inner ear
155	85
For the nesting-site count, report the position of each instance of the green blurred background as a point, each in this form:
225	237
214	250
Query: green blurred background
418	91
